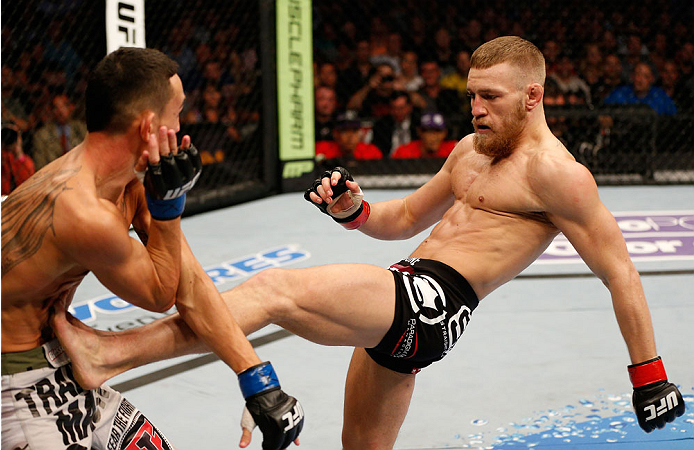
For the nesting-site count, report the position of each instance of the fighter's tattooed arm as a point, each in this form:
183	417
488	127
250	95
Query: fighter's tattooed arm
28	214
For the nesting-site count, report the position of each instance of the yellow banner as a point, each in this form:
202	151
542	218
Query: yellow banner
295	84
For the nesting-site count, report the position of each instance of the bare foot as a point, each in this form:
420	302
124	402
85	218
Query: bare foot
84	346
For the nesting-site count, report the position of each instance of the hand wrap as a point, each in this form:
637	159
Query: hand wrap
167	182
656	402
279	416
351	218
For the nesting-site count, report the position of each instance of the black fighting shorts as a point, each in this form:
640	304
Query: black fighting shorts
433	305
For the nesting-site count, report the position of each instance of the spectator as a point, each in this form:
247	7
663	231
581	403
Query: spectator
684	57
593	78
632	53
417	37
409	79
608	42
326	105
611	79
554	97
432	143
660	50
552	52
443	53
178	47
324	42
235	127
327	75
203	54
642	91
670	82
378	37
60	134
592	60
347	145
393	54
213	72
59	50
209	107
13	109
17	166
344	58
568	81
470	35
373	99
458	79
357	74
434	97
398	127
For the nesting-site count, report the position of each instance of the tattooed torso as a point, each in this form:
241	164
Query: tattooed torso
35	272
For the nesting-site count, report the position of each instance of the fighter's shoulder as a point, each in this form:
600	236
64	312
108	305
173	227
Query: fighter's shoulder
464	145
553	160
84	214
462	148
553	170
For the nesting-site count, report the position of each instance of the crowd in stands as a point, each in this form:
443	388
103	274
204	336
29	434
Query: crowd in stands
398	69
394	63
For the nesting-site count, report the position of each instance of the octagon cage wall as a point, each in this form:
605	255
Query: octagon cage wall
619	92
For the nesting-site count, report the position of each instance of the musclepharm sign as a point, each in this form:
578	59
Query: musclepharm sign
233	270
650	236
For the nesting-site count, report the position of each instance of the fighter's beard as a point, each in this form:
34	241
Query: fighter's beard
500	145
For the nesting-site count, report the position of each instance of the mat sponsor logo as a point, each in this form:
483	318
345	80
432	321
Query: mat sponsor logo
222	273
666	235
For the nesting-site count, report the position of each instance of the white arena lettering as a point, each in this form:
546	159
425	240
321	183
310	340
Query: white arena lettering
220	274
642	247
634	225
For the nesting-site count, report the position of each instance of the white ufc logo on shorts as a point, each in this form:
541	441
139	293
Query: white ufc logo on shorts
293	417
666	404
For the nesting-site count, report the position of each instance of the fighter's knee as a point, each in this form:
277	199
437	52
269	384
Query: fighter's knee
276	286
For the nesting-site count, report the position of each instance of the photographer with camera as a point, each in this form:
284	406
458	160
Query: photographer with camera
17	166
373	99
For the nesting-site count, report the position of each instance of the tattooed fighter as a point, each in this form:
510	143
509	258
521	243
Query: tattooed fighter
72	217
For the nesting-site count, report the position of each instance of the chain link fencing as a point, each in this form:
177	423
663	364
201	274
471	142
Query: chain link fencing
366	55
598	53
49	47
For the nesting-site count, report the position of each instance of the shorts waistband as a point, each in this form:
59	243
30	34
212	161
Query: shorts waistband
431	266
50	354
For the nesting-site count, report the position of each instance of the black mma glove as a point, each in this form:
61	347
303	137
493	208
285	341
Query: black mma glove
656	402
167	182
279	416
351	218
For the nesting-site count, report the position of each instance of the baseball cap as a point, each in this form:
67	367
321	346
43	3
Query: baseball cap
347	120
432	121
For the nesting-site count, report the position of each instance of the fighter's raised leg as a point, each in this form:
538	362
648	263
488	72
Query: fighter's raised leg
335	304
347	304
